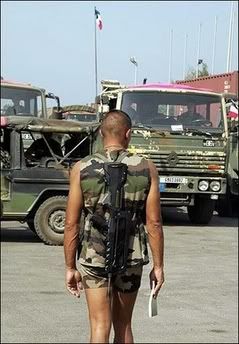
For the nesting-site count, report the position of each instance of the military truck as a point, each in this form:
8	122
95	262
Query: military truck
190	152
35	179
228	205
21	99
81	113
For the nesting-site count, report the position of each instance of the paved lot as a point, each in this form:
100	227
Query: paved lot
198	303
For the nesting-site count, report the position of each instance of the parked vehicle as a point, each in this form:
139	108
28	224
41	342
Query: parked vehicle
19	99
34	180
228	205
226	83
190	153
80	113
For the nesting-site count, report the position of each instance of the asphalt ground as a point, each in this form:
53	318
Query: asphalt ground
198	302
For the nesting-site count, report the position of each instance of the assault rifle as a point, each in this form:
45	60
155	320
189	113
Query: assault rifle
119	220
118	226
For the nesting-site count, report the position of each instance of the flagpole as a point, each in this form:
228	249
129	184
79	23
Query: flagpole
185	54
198	51
96	81
229	39
214	44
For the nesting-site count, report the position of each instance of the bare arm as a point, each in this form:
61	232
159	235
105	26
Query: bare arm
154	228
71	233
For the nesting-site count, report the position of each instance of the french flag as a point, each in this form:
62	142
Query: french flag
233	112
98	18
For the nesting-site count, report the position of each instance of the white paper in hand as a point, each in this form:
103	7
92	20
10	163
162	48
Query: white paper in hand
153	305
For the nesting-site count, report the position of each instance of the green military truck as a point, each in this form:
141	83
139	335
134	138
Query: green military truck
228	205
80	113
26	100
35	179
21	99
184	131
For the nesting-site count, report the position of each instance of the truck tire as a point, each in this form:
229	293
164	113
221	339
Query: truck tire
226	207
49	220
202	211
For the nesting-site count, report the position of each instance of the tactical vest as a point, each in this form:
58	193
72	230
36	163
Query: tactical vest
136	189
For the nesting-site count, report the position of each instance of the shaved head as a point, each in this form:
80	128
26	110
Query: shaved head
115	124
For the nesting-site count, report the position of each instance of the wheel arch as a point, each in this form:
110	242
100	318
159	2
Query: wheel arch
45	194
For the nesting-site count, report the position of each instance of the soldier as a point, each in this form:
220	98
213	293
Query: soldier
190	115
16	108
87	191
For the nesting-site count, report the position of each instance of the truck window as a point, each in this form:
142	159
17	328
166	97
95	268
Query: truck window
154	108
16	101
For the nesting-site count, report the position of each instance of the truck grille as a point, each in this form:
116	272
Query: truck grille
193	162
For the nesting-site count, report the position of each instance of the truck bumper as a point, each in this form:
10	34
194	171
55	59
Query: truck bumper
183	193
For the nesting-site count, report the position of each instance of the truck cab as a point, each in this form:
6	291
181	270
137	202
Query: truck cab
184	131
20	99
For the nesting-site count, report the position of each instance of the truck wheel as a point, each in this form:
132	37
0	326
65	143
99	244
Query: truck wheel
227	206
49	220
224	208
202	211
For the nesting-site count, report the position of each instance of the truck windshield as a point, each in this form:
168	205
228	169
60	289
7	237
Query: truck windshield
173	110
17	101
80	117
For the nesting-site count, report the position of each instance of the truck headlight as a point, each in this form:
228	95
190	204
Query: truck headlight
215	185
203	185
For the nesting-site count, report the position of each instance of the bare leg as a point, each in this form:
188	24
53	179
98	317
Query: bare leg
99	314
123	305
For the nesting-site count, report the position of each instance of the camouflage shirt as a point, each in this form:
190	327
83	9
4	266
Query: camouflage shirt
136	190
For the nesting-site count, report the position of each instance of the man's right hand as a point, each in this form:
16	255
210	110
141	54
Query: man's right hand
73	282
156	275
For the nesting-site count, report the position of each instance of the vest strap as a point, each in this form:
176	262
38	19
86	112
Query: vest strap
104	158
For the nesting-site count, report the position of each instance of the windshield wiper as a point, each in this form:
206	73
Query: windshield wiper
141	125
197	132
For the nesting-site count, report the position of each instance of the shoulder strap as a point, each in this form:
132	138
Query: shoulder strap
122	156
104	158
101	156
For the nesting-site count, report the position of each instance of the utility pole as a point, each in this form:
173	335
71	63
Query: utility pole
170	64
214	45
198	50
170	56
135	63
233	16
185	56
230	39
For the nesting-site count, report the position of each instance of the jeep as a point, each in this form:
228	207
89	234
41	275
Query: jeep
35	179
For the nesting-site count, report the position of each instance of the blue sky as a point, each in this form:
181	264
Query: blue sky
51	43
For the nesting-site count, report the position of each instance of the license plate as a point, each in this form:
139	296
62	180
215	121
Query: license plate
173	180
